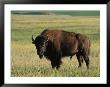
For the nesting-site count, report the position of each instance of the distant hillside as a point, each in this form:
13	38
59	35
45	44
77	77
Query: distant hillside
71	13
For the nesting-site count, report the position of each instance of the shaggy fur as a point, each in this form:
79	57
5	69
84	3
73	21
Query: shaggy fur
59	43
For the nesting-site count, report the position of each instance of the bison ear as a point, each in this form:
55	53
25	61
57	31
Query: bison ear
33	42
46	38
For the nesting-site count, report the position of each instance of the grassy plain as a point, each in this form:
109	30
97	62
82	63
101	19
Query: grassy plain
26	63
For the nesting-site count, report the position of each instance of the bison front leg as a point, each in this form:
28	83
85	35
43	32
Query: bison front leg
56	64
53	65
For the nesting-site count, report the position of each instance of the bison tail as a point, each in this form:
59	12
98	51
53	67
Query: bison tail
89	47
89	52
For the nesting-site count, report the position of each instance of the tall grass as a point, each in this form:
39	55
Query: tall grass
24	59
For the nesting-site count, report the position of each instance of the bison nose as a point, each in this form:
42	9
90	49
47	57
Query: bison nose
40	56
40	52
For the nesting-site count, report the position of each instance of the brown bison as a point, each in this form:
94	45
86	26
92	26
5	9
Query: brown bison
55	44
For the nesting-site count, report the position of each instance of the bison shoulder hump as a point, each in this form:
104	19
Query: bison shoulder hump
44	31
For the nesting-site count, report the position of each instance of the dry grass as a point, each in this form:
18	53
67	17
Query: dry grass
26	63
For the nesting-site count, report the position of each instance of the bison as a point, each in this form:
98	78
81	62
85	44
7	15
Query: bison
55	44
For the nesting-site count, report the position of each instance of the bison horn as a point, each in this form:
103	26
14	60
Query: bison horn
32	38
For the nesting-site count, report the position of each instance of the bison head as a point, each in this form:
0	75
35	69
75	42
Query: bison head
40	42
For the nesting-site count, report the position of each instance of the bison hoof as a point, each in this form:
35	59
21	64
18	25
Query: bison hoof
56	67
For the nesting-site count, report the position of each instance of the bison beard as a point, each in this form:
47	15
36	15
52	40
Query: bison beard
59	43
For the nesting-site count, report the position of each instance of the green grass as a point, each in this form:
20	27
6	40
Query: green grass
26	63
60	12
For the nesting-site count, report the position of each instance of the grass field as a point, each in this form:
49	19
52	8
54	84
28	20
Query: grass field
26	63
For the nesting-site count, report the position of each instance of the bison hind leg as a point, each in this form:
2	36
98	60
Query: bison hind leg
86	58
70	57
80	59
